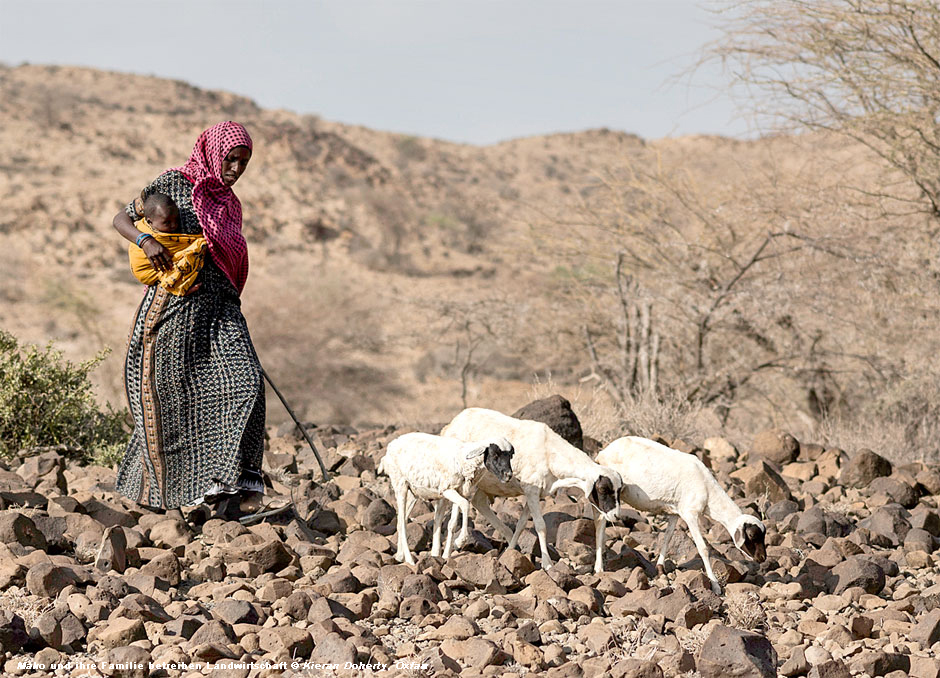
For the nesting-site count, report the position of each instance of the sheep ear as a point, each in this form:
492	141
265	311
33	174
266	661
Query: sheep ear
476	451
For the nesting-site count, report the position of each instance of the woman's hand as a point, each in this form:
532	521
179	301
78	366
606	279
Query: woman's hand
158	255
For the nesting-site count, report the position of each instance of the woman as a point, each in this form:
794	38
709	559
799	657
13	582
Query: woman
193	381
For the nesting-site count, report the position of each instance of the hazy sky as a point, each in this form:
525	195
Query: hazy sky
465	70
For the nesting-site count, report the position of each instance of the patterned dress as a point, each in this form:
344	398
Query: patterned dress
194	386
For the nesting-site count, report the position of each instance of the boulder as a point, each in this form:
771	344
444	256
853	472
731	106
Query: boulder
776	445
420	585
120	632
127	662
896	490
889	521
484	571
233	612
863	468
334	649
15	528
857	571
47	580
475	653
927	519
143	607
834	668
927	630
632	667
215	632
416	607
289	640
557	413
879	662
270	556
112	554
733	652
760	479
13	635
379	513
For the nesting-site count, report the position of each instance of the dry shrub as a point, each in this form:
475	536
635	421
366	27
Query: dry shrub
599	416
29	607
667	415
745	611
646	414
902	423
693	640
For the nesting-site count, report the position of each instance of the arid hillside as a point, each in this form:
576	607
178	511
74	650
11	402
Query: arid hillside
394	278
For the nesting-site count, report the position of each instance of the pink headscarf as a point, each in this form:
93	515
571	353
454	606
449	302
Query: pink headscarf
216	205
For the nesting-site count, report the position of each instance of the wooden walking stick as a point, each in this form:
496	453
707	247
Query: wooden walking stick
303	431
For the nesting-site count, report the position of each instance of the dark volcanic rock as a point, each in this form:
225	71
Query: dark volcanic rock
112	554
779	511
896	490
776	445
857	571
557	413
732	652
834	668
927	631
270	556
863	468
889	521
485	572
378	513
15	528
235	612
46	579
13	634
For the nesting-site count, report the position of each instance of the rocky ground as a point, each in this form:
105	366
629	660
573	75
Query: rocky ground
849	587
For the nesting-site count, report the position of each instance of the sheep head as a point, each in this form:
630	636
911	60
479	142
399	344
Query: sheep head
748	536
605	493
497	458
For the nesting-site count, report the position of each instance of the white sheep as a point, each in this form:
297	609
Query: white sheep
659	479
544	462
434	468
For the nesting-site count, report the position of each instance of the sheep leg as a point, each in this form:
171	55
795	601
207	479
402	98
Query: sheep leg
438	520
520	526
464	537
535	507
695	530
451	526
667	537
600	527
412	500
403	553
482	505
460	503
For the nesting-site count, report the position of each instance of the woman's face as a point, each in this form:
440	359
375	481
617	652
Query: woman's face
234	164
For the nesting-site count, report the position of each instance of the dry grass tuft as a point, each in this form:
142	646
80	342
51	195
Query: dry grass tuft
668	415
745	611
900	439
599	416
26	605
694	639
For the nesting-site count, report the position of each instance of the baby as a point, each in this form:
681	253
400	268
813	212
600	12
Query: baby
162	222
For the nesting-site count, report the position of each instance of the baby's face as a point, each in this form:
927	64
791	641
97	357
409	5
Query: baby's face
165	221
